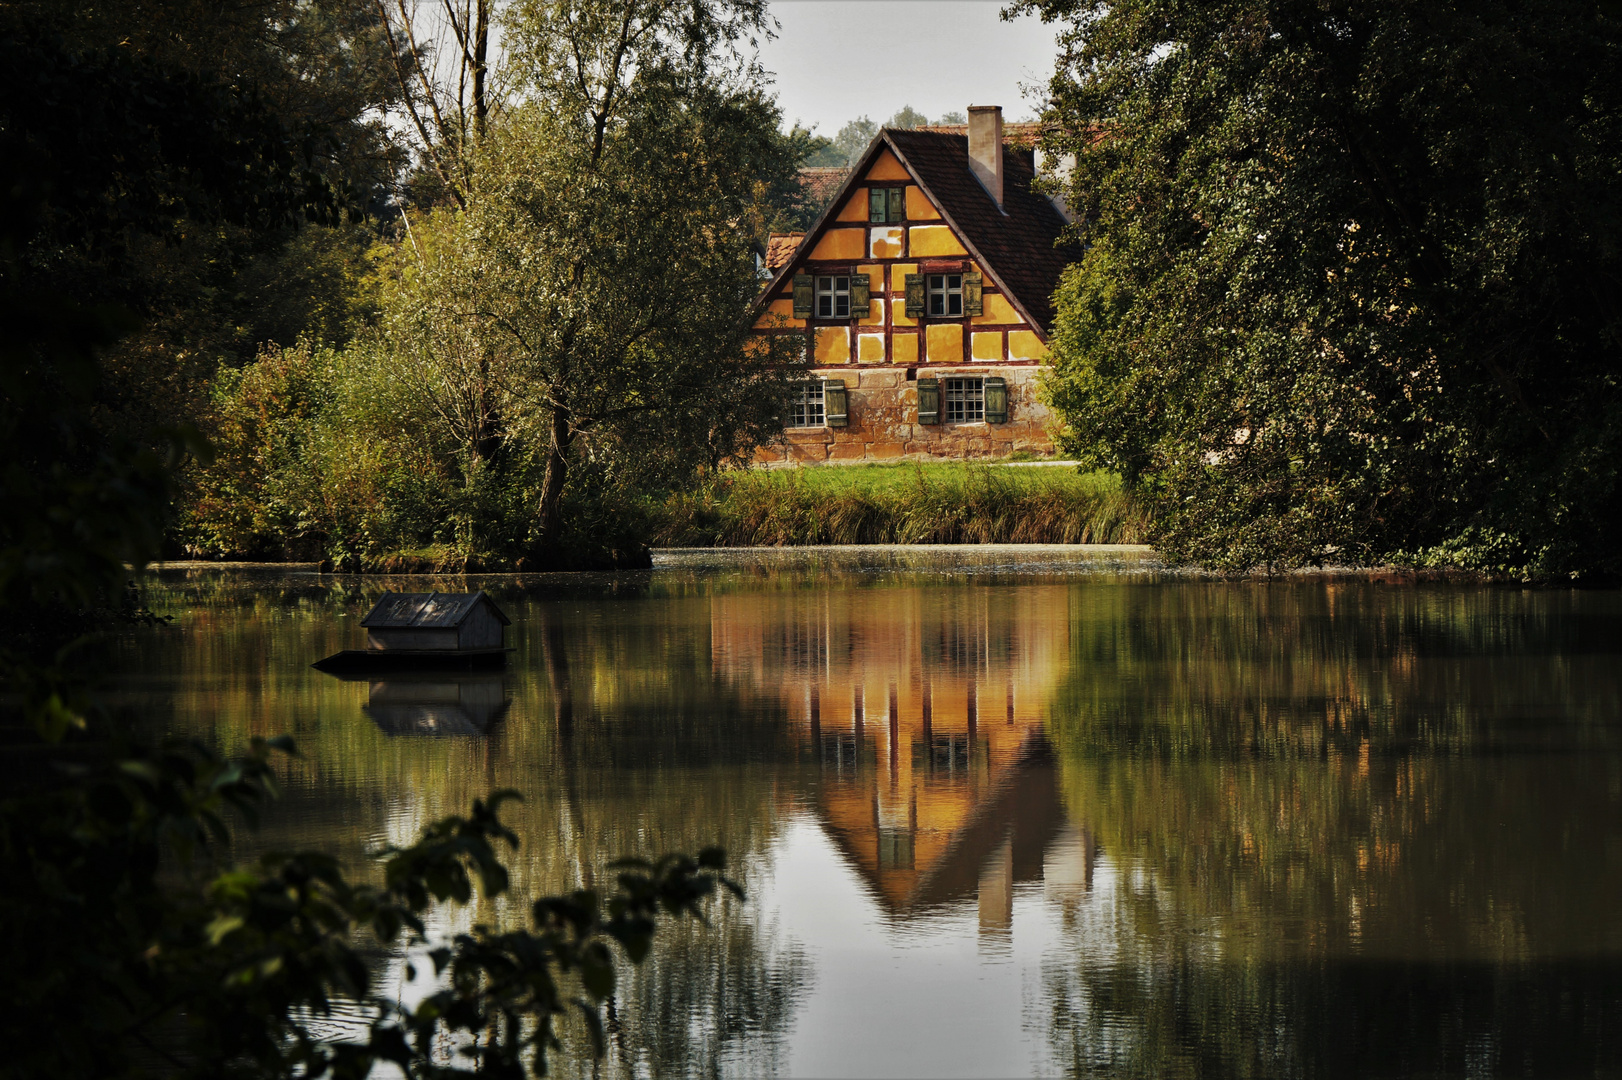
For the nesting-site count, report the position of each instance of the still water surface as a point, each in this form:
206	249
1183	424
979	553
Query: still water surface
998	813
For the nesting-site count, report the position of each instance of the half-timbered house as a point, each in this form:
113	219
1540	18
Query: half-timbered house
923	293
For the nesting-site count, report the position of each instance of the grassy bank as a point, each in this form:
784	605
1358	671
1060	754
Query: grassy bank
909	503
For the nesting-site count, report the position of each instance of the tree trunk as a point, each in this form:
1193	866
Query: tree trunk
481	54
557	471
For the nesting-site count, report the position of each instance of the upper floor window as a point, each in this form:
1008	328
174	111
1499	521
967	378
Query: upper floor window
886	206
945	294
965	400
833	297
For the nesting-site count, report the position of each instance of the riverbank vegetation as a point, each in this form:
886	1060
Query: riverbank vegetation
1351	279
911	503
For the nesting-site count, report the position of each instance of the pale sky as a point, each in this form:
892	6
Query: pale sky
836	60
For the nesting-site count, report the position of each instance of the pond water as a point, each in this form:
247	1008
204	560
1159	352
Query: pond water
999	813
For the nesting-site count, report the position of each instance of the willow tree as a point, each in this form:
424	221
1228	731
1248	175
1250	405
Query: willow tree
1352	277
608	248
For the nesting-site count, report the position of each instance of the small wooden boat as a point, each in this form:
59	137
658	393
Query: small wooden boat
427	632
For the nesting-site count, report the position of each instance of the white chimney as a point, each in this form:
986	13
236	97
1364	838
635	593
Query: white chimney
985	149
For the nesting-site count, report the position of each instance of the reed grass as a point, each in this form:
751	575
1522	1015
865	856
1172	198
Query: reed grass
901	504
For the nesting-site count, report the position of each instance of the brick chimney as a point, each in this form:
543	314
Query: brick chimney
985	149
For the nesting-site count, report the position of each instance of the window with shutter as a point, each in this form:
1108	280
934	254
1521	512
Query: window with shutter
965	400
973	303
996	400
834	404
915	296
833	296
806	406
945	294
860	305
802	296
886	206
929	401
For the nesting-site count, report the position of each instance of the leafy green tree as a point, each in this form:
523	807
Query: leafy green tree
821	153
1351	276
853	138
603	250
787	205
907	117
191	127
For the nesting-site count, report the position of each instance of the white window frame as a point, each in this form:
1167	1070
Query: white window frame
809	408
943	298
963	400
832	296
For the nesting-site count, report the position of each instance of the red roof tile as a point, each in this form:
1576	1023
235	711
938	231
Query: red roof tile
821	183
780	248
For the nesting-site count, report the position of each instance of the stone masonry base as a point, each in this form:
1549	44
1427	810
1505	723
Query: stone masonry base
883	410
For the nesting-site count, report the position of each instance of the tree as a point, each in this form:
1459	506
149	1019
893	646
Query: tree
606	249
185	162
446	72
853	138
907	117
1352	274
820	152
139	949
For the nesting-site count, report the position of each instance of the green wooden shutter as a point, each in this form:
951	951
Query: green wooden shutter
929	401
996	400
802	296
860	304
915	296
898	203
875	206
834	403
973	302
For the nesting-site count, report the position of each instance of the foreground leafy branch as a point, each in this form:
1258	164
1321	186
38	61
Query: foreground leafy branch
136	957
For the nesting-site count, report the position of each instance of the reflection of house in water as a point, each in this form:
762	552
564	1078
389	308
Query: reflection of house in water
924	709
444	703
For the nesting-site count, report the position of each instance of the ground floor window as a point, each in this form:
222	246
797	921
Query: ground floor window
833	297
807	408
965	400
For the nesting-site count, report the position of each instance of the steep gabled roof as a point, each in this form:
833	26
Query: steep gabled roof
1016	245
428	610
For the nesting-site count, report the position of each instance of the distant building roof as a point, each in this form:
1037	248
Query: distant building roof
1022	133
424	610
821	183
781	247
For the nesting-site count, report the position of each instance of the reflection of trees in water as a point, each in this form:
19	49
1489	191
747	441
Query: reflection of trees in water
708	1002
1188	1015
1352	830
1380	771
614	727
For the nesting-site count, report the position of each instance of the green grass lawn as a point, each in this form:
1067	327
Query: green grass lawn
891	476
902	503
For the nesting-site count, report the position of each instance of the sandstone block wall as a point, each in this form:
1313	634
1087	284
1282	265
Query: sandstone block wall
883	410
